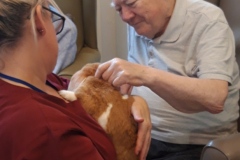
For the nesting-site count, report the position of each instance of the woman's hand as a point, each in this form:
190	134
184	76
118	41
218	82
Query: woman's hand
141	115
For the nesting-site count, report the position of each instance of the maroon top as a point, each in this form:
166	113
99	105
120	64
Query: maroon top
38	126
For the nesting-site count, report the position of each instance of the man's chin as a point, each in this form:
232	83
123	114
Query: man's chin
144	33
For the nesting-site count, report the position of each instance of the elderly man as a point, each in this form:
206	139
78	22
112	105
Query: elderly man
182	61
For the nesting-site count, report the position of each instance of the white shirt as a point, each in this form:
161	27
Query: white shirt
197	43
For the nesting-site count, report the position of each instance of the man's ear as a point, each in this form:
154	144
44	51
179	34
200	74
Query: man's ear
39	21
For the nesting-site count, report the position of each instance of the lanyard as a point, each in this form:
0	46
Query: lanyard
21	82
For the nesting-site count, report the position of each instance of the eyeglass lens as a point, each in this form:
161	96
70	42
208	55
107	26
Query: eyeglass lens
58	21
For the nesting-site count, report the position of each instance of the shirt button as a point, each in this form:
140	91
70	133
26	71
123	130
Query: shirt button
151	54
150	64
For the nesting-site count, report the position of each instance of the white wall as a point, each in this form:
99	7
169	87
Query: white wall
111	32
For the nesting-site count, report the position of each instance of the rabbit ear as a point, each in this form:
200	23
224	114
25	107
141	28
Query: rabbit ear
87	70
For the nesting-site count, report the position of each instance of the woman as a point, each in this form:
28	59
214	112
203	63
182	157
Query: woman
35	121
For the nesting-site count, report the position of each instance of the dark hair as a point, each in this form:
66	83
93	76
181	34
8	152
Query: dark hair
13	17
13	14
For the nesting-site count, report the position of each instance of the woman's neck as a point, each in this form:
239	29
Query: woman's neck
25	65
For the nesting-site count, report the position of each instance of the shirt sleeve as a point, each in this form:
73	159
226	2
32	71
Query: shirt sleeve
216	52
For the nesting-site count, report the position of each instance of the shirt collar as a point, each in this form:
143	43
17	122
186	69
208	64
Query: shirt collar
175	25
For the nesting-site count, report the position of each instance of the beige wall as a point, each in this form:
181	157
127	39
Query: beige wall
112	34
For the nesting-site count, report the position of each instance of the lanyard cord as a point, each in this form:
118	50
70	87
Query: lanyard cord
21	82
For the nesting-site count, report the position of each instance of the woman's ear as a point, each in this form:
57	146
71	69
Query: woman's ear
39	21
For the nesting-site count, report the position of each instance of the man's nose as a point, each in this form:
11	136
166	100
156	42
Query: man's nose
126	14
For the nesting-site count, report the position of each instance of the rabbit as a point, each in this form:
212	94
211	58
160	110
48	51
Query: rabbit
107	106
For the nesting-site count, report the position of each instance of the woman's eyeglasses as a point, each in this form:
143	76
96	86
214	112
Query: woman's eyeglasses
57	19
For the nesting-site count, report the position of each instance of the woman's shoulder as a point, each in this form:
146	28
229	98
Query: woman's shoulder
29	125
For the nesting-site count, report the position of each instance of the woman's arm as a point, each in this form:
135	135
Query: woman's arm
141	115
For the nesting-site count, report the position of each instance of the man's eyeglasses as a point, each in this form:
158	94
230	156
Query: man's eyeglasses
57	19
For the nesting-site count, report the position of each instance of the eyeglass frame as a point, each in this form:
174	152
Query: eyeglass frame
59	15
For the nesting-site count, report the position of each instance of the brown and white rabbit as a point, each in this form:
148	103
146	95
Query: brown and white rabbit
107	106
